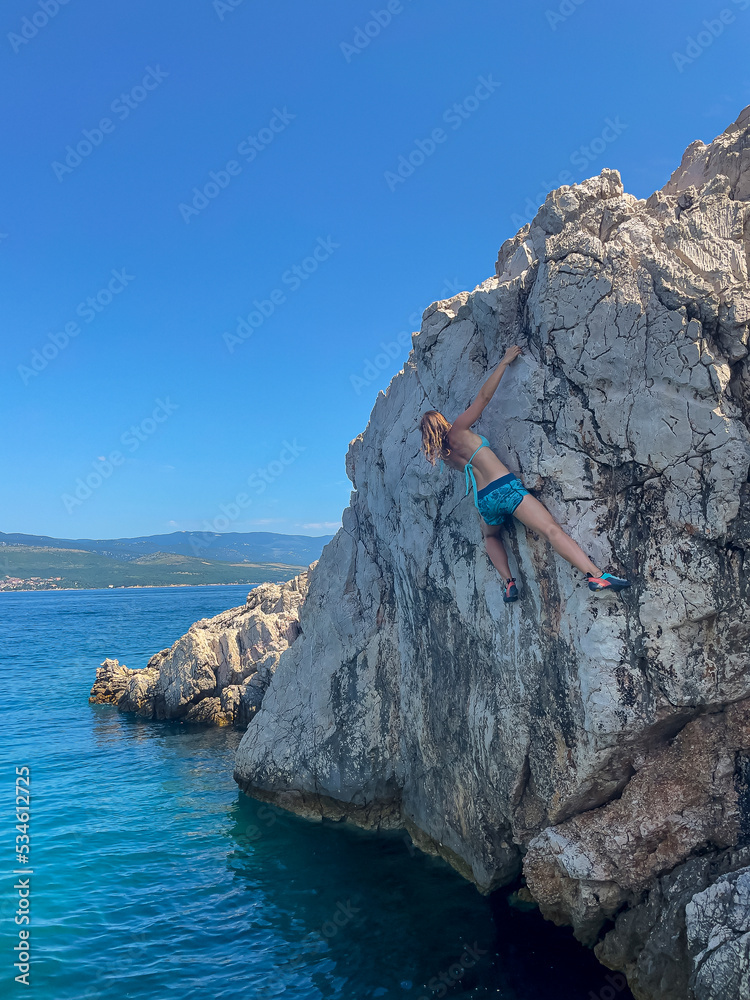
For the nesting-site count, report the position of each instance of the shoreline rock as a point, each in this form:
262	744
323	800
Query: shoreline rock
598	742
218	672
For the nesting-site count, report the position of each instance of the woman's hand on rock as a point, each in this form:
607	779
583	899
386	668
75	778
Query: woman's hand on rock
511	354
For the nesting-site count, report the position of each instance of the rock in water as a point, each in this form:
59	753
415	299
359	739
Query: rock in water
604	739
112	678
219	671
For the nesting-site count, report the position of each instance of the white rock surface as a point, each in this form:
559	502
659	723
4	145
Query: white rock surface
416	698
718	933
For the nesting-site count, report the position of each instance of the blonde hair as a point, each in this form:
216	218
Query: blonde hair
434	428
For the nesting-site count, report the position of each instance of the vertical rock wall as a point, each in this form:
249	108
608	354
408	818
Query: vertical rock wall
599	742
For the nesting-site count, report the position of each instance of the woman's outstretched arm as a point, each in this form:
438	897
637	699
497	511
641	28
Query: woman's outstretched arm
485	394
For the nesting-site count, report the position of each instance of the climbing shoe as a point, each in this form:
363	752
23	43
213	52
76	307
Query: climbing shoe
607	582
511	591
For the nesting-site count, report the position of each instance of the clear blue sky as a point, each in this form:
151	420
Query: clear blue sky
313	130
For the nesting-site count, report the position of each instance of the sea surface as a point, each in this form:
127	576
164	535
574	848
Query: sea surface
154	877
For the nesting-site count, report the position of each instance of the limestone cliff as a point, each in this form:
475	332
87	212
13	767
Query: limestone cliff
219	670
598	743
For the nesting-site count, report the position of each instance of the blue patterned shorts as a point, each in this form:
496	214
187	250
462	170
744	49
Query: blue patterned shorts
499	499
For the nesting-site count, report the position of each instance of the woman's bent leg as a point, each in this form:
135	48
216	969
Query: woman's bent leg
535	515
496	549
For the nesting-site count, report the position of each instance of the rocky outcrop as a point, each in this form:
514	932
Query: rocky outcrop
219	671
652	944
718	933
686	799
600	743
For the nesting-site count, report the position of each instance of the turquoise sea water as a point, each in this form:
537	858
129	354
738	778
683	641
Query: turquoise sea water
154	877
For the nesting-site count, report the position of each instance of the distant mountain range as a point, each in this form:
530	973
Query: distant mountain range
38	562
233	546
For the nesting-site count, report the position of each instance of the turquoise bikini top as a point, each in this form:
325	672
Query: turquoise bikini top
469	469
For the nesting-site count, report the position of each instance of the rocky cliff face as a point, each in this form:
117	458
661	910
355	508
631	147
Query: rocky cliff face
718	931
219	671
598	743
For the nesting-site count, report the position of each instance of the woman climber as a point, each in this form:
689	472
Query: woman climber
499	493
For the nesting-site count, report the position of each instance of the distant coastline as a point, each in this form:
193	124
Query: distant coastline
181	559
132	586
67	569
